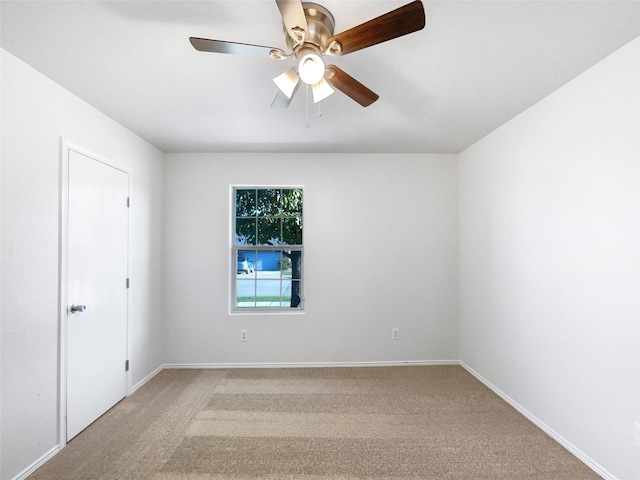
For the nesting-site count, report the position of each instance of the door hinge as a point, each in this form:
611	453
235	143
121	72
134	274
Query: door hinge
127	283
126	365
128	202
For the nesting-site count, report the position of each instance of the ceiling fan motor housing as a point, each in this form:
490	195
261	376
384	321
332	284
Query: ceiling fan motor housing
321	25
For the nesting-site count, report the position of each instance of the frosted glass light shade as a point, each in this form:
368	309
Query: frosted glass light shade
322	90
311	68
287	82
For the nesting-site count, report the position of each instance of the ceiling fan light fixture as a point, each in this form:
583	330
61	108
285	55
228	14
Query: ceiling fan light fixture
310	66
321	90
287	82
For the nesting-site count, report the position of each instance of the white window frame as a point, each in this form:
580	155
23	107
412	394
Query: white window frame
235	249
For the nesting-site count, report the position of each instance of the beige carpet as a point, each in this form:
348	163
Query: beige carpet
388	423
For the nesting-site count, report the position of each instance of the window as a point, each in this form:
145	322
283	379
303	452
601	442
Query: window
267	249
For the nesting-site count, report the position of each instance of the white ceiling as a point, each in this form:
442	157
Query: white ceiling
475	65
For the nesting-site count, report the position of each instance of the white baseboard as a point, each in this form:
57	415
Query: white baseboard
146	379
311	364
589	462
37	464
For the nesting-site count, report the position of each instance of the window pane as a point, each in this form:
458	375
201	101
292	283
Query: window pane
269	202
268	293
245	203
294	295
245	231
268	264
245	294
285	265
246	262
295	257
269	231
292	201
292	231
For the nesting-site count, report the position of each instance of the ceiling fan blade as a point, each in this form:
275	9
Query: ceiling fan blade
281	100
221	46
350	86
321	90
294	19
399	22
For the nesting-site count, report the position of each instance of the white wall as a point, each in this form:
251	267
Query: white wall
549	235
35	113
380	252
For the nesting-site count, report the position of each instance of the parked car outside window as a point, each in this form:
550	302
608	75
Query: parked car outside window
245	265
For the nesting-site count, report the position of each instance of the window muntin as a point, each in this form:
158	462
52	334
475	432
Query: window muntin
267	248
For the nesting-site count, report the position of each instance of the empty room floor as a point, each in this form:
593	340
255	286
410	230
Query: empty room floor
392	423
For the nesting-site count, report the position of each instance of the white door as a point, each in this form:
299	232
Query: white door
96	283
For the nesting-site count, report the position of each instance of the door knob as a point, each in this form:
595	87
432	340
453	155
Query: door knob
77	308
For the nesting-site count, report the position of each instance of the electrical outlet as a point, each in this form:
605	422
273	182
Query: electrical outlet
637	434
243	336
395	334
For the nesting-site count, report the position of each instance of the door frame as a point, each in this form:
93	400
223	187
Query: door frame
63	258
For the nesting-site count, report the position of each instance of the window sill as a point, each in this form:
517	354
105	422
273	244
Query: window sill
270	312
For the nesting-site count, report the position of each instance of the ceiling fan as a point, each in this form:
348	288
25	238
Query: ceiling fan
309	33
